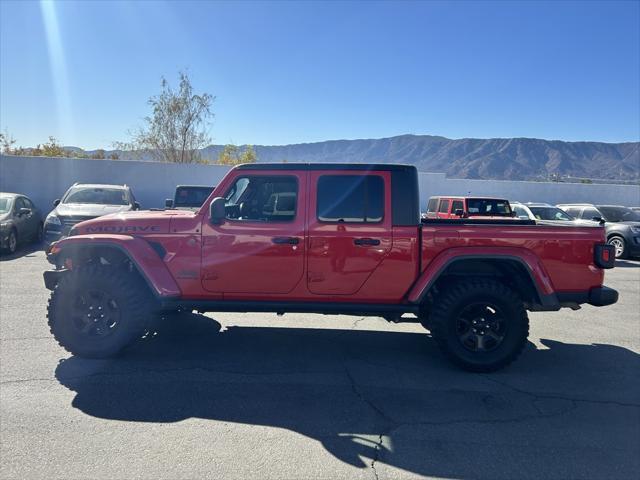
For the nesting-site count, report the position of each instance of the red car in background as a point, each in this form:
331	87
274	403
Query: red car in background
448	207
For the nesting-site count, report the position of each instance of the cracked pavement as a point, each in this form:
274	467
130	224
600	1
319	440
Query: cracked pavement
310	396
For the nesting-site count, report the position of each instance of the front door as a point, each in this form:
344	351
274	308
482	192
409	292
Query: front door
349	229
260	246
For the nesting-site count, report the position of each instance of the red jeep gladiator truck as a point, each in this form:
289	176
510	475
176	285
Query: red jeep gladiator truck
323	238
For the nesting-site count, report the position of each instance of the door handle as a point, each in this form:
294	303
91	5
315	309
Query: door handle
366	241
285	240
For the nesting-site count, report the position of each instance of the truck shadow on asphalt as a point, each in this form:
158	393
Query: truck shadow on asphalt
22	251
378	399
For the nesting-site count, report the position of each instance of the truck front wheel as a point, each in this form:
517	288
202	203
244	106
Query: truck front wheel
480	325
96	311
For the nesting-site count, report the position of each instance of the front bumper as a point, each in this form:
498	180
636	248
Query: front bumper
634	246
4	238
52	277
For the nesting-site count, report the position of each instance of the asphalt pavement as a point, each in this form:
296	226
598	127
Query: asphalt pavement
256	396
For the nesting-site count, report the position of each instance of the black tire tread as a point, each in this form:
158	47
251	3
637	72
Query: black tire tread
137	299
447	301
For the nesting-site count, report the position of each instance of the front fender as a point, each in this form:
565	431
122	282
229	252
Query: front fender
531	262
141	254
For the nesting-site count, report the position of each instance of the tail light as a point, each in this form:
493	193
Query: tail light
604	256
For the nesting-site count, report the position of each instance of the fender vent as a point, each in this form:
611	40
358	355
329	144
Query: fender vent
158	248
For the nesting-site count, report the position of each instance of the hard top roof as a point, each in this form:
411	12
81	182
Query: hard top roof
326	166
99	185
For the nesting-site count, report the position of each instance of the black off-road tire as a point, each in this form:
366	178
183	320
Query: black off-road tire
131	307
446	323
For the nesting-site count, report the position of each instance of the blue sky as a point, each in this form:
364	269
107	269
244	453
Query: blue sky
303	72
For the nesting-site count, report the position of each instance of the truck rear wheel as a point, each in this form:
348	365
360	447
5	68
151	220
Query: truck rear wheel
480	325
96	311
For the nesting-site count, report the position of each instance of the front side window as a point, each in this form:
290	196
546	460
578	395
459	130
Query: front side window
550	213
521	212
573	211
97	195
457	205
590	213
262	199
433	205
444	206
350	198
19	204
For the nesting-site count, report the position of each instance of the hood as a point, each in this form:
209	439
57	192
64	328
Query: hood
88	209
631	224
137	222
5	216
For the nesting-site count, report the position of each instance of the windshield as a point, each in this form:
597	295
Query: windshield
619	214
488	206
550	213
5	204
100	196
192	196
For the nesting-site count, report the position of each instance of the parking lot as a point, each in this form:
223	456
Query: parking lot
311	396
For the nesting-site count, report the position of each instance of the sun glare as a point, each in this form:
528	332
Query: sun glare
58	67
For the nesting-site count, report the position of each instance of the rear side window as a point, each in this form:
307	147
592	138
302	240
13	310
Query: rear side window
350	198
433	205
444	206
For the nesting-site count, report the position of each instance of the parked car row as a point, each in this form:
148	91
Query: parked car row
622	224
21	222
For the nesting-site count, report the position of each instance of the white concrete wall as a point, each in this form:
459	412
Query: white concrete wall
554	193
45	179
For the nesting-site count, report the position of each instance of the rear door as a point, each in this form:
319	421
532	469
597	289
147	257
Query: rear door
260	246
349	229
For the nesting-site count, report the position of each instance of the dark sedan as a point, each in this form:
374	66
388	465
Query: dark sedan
20	221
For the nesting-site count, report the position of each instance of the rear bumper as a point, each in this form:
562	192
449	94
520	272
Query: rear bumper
602	296
597	296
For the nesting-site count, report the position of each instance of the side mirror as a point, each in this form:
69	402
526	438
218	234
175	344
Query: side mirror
56	202
24	211
217	211
168	203
459	212
136	205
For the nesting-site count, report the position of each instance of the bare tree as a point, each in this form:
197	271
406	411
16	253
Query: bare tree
177	128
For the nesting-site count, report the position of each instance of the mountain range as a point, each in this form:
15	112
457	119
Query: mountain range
495	158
